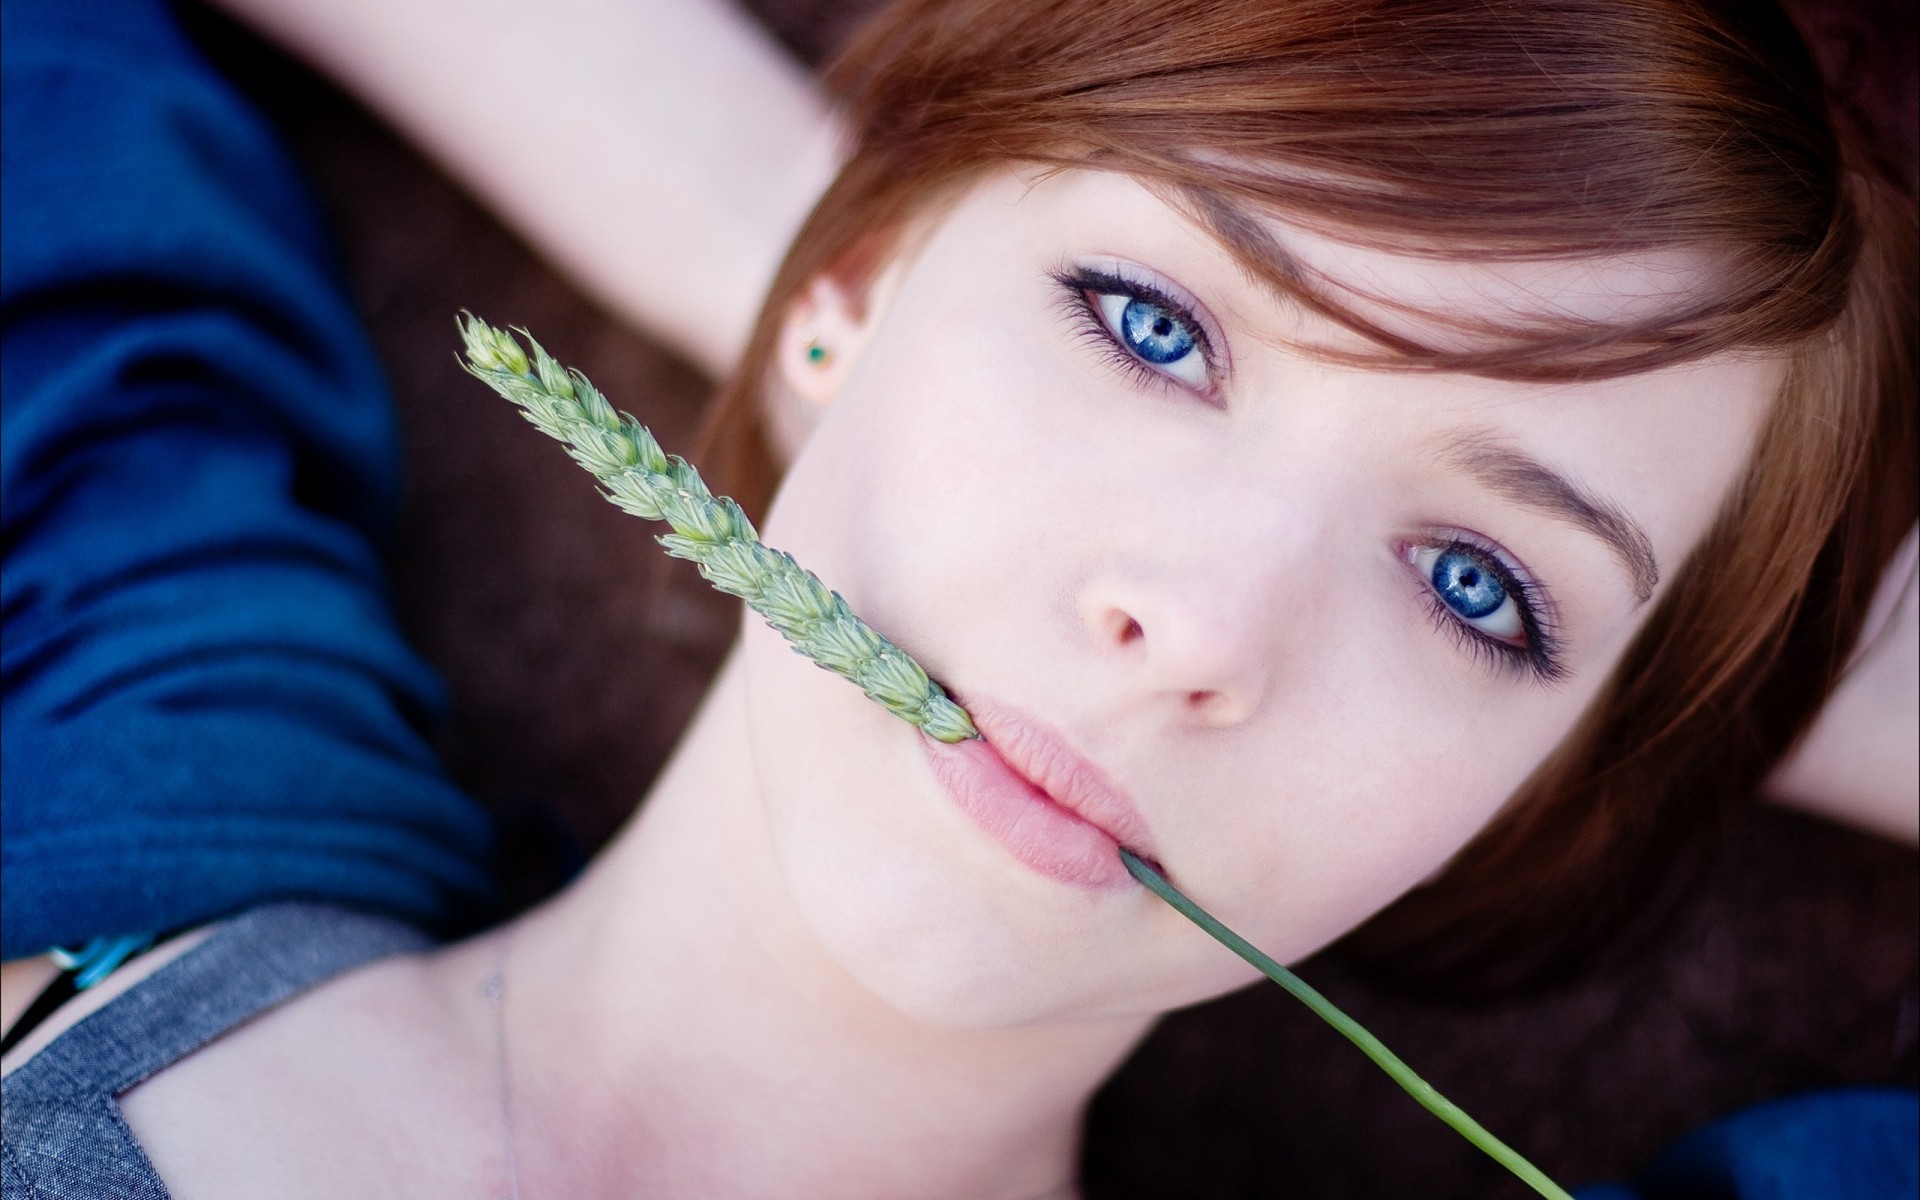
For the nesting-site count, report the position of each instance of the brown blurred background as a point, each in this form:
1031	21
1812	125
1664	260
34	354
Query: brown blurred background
575	652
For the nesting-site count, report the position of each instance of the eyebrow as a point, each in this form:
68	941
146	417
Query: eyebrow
1263	259
1526	480
1508	472
1261	254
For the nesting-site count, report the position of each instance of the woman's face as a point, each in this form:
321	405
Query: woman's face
1307	626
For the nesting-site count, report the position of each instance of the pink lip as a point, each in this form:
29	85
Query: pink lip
1056	812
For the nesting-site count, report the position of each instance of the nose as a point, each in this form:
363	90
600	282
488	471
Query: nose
1197	641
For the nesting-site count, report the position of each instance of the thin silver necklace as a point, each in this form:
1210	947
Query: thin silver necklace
494	988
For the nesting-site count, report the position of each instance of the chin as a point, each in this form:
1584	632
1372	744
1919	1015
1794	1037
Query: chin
934	922
935	927
901	892
931	934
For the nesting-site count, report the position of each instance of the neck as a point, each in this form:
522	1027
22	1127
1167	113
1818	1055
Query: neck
675	1029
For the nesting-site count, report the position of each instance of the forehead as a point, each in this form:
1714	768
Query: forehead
1451	298
1459	303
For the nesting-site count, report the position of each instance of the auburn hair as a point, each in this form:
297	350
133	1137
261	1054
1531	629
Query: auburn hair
1485	130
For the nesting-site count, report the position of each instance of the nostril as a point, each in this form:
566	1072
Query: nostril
1200	699
1132	632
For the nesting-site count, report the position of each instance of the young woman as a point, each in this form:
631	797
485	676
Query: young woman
1383	466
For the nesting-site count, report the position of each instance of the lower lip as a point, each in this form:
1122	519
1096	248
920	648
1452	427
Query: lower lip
1038	832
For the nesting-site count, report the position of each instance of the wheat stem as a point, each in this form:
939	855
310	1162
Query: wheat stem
1428	1095
709	531
712	533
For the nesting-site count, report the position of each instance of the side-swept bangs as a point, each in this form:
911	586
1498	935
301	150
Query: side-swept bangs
1494	131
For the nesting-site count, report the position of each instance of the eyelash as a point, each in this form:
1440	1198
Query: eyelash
1541	658
1080	284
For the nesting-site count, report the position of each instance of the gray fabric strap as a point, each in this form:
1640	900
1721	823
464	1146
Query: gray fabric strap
63	1135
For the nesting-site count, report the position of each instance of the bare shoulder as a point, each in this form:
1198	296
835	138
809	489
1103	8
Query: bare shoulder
365	1085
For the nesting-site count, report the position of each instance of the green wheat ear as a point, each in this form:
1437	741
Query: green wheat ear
716	536
709	531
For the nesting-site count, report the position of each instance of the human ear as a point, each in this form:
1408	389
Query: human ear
822	338
826	329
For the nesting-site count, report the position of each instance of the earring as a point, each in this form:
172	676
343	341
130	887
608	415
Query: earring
817	354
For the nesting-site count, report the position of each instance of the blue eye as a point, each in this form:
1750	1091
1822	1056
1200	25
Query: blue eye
1140	328
1465	584
1493	610
1154	333
1474	591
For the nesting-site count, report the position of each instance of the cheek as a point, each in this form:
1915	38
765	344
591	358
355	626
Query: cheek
936	498
1348	798
899	890
946	470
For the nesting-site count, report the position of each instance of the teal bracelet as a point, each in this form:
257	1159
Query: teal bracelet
99	958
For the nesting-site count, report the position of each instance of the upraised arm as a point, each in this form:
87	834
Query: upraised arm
659	152
1860	763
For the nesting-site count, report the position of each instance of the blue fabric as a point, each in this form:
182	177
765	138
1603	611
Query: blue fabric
207	703
1858	1144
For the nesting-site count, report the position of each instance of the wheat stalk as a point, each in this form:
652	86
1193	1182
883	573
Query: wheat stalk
712	533
709	531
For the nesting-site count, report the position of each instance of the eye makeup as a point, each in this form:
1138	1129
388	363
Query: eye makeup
712	532
1534	651
1112	306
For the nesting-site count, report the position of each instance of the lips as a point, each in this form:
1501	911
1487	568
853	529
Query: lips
1054	810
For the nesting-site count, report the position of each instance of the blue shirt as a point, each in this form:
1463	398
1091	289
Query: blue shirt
207	703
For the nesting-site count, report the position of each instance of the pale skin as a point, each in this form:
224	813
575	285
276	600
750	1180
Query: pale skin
1860	763
724	183
661	153
801	969
723	144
